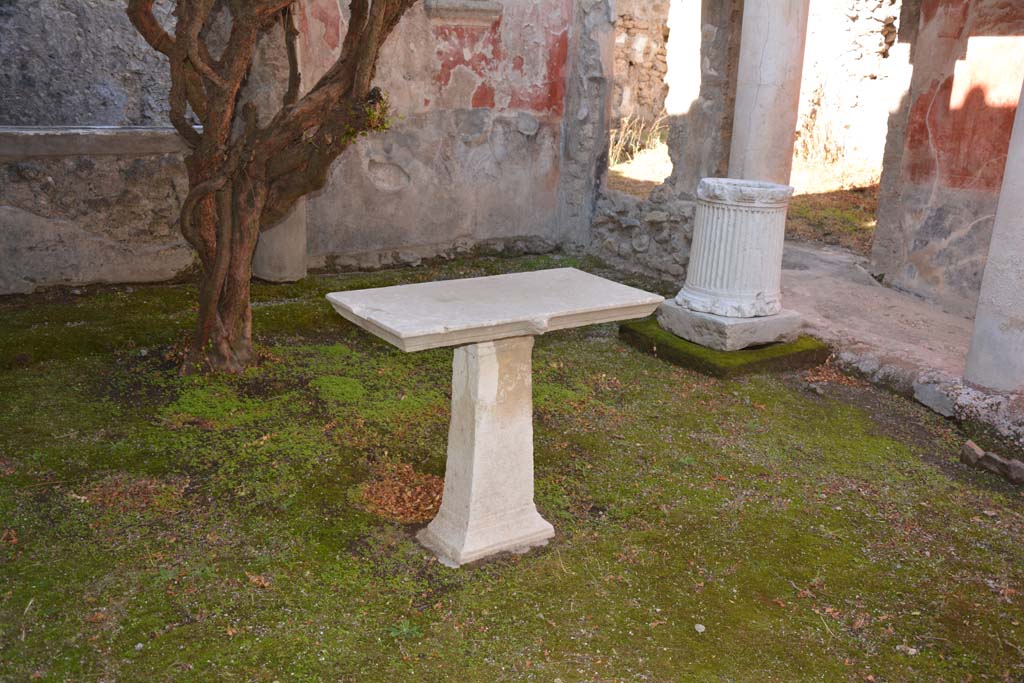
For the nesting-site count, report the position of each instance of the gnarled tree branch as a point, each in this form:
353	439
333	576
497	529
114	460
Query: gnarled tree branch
245	176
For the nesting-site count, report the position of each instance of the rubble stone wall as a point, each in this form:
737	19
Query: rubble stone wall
641	59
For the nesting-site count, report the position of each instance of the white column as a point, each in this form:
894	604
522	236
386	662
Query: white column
996	358
281	252
768	89
488	486
736	258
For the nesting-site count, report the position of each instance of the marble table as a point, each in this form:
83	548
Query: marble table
488	506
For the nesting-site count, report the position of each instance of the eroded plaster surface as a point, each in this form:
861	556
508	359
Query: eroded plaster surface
498	140
480	143
947	150
78	62
80	219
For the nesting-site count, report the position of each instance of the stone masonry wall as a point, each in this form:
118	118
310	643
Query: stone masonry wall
641	59
855	73
81	208
652	235
499	141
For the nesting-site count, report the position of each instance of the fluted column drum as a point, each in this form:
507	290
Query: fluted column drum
736	257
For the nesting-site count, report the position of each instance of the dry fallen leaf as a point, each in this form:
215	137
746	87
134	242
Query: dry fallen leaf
399	493
828	373
258	580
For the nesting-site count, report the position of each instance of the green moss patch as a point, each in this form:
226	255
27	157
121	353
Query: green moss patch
648	336
339	392
154	527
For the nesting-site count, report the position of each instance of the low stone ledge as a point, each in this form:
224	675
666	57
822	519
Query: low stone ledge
646	236
42	142
484	12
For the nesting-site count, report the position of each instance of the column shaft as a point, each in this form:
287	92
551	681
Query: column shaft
768	89
736	259
996	358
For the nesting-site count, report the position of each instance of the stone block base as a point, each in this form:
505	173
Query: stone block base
454	545
728	334
647	335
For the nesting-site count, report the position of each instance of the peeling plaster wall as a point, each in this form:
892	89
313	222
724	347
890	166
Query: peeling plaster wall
499	140
947	149
478	151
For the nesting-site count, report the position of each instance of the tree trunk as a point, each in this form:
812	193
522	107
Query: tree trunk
223	337
244	175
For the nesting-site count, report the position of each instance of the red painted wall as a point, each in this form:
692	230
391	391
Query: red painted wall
517	62
947	152
960	123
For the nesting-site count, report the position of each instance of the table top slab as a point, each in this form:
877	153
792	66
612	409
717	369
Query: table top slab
456	312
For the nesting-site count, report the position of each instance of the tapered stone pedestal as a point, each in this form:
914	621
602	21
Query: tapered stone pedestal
488	484
488	487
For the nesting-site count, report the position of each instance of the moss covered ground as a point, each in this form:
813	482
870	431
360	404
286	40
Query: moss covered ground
158	528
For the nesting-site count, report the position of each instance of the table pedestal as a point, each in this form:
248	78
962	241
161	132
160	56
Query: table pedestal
488	487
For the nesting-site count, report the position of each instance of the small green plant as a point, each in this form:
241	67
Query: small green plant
405	630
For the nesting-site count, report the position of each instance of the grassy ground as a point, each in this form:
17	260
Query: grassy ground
206	528
842	217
